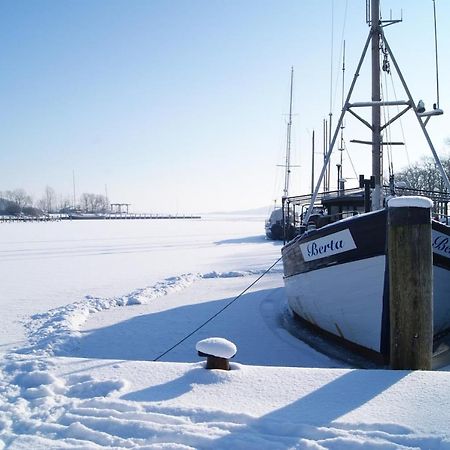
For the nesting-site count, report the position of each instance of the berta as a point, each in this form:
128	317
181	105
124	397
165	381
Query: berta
441	243
334	243
315	249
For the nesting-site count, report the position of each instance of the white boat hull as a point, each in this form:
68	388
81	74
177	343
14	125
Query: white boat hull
349	304
336	279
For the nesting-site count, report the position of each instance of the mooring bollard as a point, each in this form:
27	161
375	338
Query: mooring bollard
410	264
217	351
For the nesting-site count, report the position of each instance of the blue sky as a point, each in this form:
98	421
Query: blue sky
180	106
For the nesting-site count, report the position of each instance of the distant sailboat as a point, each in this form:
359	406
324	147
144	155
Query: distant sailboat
276	225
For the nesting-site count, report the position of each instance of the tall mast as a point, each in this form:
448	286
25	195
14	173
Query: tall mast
288	142
74	196
376	35
312	163
376	109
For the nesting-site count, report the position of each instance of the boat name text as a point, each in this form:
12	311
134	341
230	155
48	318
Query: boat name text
333	244
441	244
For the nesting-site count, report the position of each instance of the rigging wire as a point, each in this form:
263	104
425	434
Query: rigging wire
333	92
401	123
218	312
385	110
342	47
386	118
351	161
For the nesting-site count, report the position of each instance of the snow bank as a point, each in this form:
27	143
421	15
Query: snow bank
144	405
57	331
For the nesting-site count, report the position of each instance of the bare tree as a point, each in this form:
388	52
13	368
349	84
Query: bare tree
48	201
85	202
64	202
424	175
20	197
93	203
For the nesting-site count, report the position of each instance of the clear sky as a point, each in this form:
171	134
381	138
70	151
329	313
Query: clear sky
180	106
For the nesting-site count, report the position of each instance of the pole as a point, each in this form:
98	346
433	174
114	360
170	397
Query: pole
376	110
312	163
74	196
410	262
436	55
288	141
325	147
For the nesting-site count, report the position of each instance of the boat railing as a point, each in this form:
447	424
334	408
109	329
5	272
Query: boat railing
440	199
299	200
295	207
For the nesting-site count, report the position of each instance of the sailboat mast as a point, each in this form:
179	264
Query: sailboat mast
288	142
376	109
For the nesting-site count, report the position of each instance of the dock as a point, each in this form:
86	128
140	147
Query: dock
112	216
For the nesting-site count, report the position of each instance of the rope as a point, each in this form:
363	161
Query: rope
220	311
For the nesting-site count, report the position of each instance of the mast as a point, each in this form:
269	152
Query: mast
288	142
74	196
312	163
376	35
376	108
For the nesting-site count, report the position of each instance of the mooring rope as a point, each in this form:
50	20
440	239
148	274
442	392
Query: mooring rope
220	311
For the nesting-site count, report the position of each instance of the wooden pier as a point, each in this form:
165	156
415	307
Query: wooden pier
112	216
130	216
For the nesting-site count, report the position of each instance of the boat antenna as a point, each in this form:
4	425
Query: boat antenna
340	182
312	161
436	55
325	148
288	141
330	114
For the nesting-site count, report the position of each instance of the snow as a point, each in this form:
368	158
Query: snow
100	323
410	202
216	346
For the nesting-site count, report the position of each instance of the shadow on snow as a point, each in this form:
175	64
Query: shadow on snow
254	323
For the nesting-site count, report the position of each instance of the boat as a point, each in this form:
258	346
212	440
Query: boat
335	269
277	223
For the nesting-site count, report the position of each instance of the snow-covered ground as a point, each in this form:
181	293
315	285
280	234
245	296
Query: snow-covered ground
92	313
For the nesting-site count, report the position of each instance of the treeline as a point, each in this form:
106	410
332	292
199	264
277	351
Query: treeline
424	175
18	201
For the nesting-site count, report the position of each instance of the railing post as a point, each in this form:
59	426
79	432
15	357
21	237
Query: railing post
410	263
